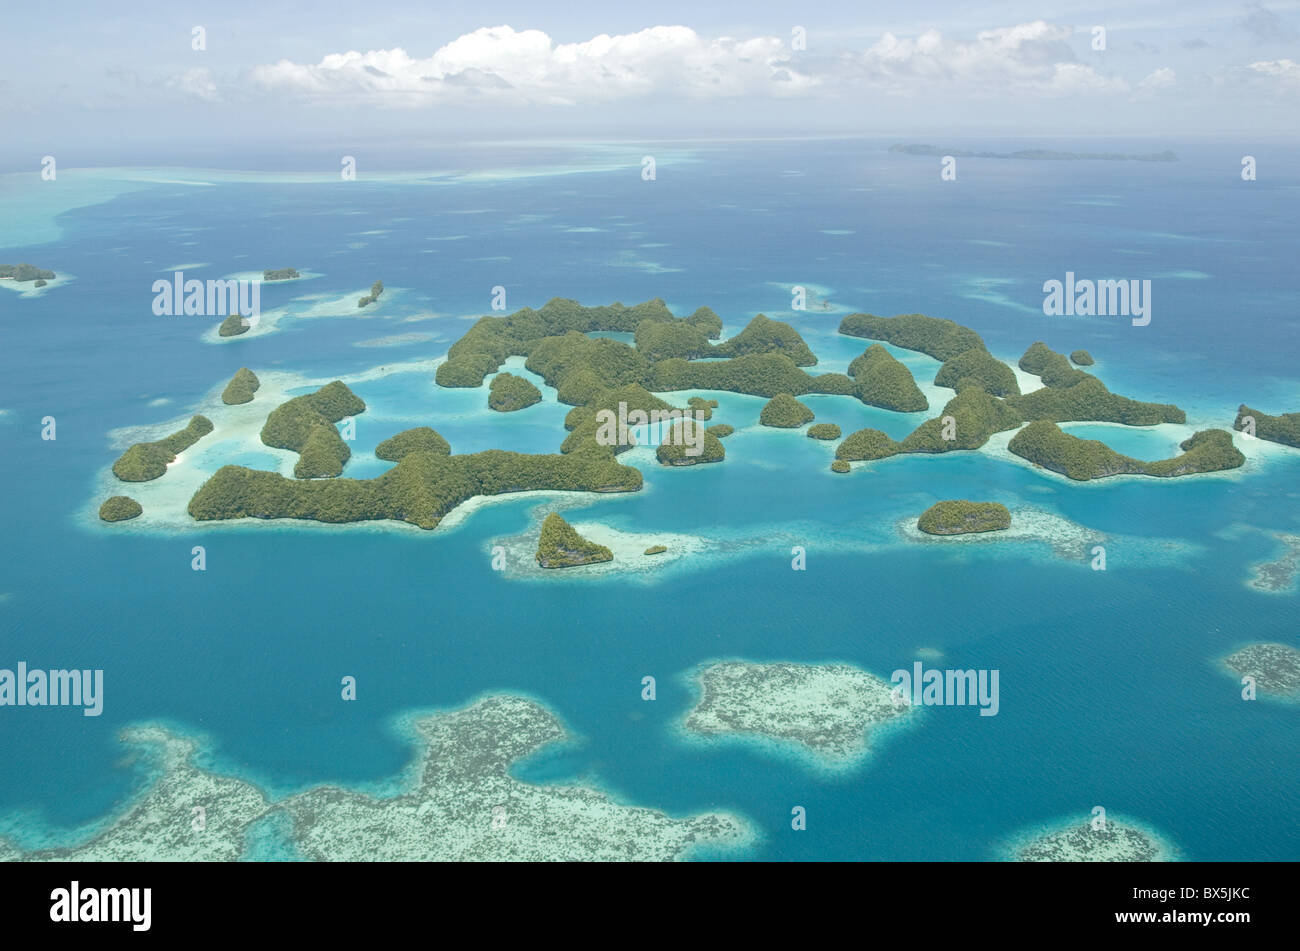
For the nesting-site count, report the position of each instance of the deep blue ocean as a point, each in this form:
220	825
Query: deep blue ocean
1111	693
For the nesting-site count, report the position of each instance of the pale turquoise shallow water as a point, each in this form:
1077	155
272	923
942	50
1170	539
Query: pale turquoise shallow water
1110	691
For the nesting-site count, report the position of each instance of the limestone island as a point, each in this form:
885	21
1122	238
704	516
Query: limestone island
882	380
839	465
120	508
688	443
305	424
720	430
233	326
1284	429
376	289
22	273
1044	444
420	439
1079	842
1082	358
241	387
959	517
509	393
823	431
826	712
146	461
560	546
1275	667
656	550
283	274
783	411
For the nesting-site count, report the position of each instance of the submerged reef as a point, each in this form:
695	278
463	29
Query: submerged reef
560	546
827	711
146	461
960	517
1275	668
1110	841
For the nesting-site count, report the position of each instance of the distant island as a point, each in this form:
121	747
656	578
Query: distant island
959	517
22	273
560	546
241	387
120	508
233	326
1038	154
376	289
283	274
509	393
146	461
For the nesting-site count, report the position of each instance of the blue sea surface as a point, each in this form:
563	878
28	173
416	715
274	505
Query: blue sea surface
1111	692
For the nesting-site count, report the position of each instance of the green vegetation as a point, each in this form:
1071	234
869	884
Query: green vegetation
656	549
881	380
233	326
824	431
305	424
839	465
940	338
40	282
864	446
241	387
284	274
1082	358
560	546
1089	400
674	449
148	460
759	374
1043	443
661	339
422	488
978	367
1052	367
585	422
702	408
785	412
420	439
959	517
376	289
1284	429
21	273
969	418
720	430
509	393
764	335
119	508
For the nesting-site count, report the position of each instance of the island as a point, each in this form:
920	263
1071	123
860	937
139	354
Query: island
1043	443
1284	429
882	380
720	430
509	393
934	336
1082	358
702	408
822	713
978	367
305	425
1274	667
241	387
419	439
22	273
146	461
966	422
960	517
764	335
233	326
678	447
560	546
656	550
1042	155
283	274
824	431
839	465
783	411
1079	841
376	289
120	508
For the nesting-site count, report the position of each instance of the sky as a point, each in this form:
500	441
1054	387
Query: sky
157	82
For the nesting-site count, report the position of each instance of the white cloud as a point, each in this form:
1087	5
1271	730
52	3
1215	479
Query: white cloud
1162	78
195	82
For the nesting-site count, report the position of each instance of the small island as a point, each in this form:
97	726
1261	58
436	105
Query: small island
233	326
283	274
421	439
120	508
1041	155
305	425
146	461
702	408
824	431
978	367
560	546
376	289
656	550
1078	841
839	465
241	387
1082	358
882	380
509	393
1284	429
1275	668
720	430
1045	444
22	273
783	411
682	445
960	517
764	335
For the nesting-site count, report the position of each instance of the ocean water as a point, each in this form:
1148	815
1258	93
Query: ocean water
1110	689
